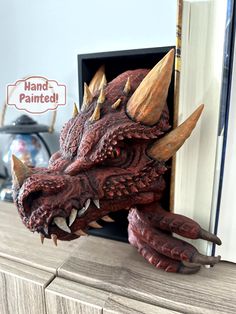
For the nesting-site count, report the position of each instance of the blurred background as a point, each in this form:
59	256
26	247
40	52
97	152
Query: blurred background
45	37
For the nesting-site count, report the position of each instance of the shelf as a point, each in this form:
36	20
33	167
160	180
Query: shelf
96	275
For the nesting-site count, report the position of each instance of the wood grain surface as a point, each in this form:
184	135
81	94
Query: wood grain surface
22	288
118	268
117	304
19	244
66	297
99	274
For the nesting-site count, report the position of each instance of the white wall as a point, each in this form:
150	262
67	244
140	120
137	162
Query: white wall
44	38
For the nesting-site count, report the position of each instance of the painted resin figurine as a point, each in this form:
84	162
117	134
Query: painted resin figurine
112	156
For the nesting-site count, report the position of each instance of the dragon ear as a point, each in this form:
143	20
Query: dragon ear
20	171
168	145
147	102
98	81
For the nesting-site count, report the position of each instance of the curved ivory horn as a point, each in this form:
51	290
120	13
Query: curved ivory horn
168	145
20	171
75	111
98	80
147	102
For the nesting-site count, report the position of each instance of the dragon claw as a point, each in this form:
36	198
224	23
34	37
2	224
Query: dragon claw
162	249
205	235
205	260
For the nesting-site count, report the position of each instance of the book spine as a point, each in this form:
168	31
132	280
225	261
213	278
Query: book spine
176	90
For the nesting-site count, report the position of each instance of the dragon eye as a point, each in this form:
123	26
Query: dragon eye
115	153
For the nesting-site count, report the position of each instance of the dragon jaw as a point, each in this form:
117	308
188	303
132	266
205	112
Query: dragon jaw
112	155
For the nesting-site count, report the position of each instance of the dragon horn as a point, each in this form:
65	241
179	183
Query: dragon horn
96	113
167	146
20	171
88	97
103	82
75	111
127	87
98	79
147	102
101	97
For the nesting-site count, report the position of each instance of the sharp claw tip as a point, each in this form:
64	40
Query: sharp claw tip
219	241
205	260
205	235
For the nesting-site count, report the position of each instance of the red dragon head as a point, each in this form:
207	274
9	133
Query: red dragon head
112	155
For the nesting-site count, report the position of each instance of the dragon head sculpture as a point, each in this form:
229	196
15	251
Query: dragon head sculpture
112	156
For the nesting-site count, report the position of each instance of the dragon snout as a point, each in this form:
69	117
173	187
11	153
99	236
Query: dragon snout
54	204
57	205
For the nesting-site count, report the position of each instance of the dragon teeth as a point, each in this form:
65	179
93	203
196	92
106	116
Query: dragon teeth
81	232
45	229
42	238
61	223
81	212
86	206
94	224
107	218
96	203
73	216
87	203
54	239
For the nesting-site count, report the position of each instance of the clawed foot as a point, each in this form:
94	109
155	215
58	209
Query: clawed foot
147	232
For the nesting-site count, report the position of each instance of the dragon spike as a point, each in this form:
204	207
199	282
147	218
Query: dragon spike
75	111
88	97
101	97
147	102
20	171
127	87
103	82
167	146
96	81
116	104
96	114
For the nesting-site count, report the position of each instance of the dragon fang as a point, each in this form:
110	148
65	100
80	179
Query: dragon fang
112	156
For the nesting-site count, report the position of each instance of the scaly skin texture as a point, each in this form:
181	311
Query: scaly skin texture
106	160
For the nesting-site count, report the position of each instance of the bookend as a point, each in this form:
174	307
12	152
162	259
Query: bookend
112	156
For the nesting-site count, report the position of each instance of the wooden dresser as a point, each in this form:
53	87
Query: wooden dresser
95	275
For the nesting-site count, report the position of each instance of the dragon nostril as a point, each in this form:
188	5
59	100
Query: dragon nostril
35	195
27	203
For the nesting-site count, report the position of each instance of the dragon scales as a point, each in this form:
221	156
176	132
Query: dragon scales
113	156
